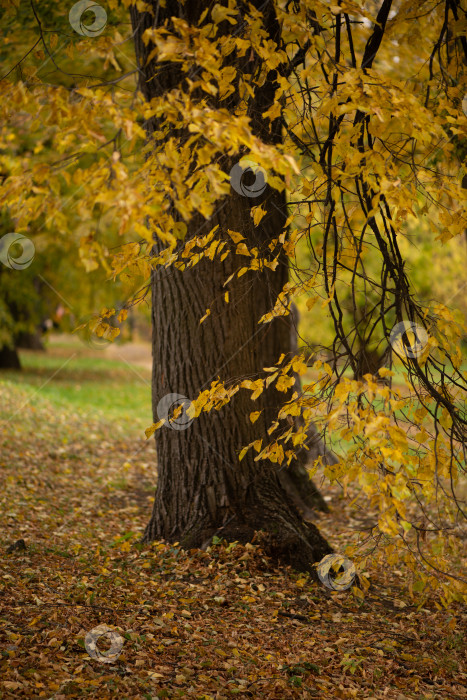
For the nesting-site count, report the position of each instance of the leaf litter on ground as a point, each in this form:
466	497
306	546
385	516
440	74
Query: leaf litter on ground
78	490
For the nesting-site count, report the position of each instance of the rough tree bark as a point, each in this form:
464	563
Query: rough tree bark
202	487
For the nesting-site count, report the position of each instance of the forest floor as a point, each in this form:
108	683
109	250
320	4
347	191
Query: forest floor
77	481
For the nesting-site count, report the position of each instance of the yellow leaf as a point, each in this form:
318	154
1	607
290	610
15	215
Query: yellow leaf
385	372
299	366
236	237
243	453
242	249
155	426
284	383
341	392
257	213
220	13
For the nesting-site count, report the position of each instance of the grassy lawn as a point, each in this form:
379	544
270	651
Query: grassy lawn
70	375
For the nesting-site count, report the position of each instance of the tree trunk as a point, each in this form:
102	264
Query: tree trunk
203	489
9	358
30	341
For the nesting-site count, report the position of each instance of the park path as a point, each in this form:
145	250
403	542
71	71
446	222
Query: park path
138	353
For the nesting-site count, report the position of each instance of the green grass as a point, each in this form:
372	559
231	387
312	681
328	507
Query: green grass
69	375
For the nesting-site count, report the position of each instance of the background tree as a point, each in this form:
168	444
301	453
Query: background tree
42	198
